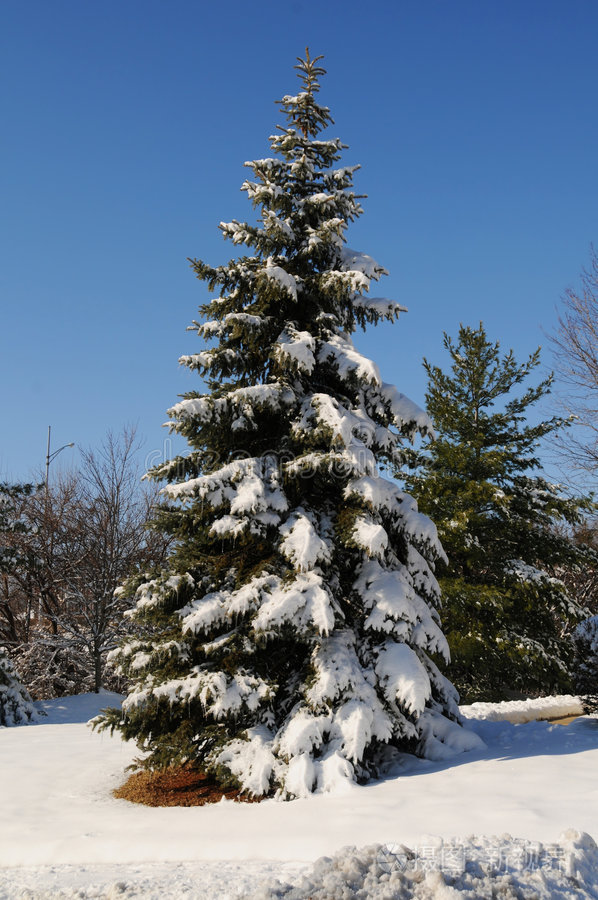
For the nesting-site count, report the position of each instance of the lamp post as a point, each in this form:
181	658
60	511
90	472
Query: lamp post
48	530
51	456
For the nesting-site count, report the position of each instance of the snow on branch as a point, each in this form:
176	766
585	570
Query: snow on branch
219	693
354	260
341	351
296	347
251	760
245	486
305	602
221	606
396	608
370	536
242	401
301	543
403	677
281	277
405	413
378	308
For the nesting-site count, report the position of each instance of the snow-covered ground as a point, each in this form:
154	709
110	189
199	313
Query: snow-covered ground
62	834
518	711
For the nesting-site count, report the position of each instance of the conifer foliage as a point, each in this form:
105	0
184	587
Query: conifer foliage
586	663
505	528
289	641
16	706
12	524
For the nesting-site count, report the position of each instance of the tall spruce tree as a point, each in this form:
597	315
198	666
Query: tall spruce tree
289	641
505	528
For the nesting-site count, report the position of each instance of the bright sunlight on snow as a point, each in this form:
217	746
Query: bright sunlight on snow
510	814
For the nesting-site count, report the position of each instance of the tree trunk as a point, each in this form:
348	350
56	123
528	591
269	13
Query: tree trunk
97	671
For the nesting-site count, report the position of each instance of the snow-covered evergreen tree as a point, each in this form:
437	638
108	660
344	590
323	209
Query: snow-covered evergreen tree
16	706
290	640
12	524
506	529
586	663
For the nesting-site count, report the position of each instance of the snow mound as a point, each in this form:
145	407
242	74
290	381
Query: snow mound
519	711
475	868
190	880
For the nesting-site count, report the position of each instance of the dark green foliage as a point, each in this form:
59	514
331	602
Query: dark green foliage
586	663
16	706
12	524
505	529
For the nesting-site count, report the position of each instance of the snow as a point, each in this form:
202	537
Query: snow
326	412
251	760
588	629
524	572
353	280
444	739
16	707
395	607
355	260
205	409
62	834
298	348
245	485
475	868
526	710
218	606
281	277
371	536
378	492
304	601
348	360
274	224
301	543
303	732
379	307
405	411
403	677
219	693
357	715
150	593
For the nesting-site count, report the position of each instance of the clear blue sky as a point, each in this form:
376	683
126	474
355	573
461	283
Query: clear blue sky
124	130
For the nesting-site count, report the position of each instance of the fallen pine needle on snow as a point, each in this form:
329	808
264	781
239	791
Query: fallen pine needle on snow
179	786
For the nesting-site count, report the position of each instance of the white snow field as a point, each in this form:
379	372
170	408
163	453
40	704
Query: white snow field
463	827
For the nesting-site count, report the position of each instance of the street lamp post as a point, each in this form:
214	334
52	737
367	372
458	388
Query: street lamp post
49	531
51	456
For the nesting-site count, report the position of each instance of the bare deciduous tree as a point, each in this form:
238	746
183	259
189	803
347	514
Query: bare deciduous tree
59	605
575	344
113	542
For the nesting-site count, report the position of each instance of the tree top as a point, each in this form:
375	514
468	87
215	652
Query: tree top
302	110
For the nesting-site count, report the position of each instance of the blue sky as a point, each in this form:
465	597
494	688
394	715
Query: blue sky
125	126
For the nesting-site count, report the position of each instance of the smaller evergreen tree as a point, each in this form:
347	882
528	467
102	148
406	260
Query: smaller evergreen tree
16	706
12	524
508	618
586	663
